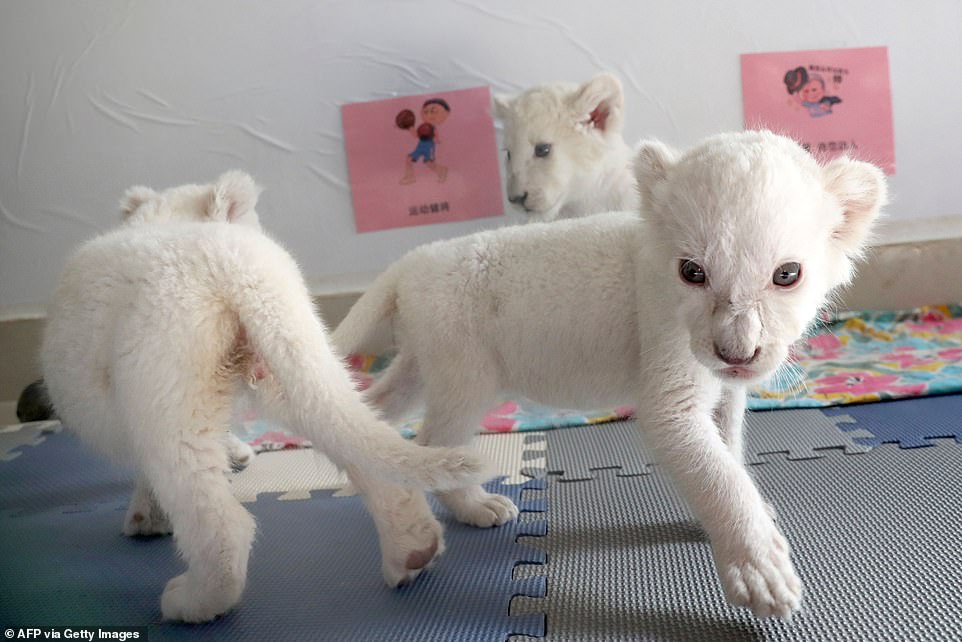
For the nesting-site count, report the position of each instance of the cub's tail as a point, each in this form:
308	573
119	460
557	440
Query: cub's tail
375	307
311	390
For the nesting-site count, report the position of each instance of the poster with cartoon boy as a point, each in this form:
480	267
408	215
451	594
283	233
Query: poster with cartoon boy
402	174
434	112
808	91
839	101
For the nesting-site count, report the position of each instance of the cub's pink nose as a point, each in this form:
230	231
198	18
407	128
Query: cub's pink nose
736	360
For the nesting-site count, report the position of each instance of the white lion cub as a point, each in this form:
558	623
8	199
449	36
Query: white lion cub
741	240
155	329
565	156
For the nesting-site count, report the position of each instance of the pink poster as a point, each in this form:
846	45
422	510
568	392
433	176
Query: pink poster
832	101
422	159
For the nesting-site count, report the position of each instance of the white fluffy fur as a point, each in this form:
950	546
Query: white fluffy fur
593	311
154	332
589	167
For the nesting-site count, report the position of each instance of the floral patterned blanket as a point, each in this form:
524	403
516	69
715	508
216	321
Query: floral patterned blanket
851	357
857	357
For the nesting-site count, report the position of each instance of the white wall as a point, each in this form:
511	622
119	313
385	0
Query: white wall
99	95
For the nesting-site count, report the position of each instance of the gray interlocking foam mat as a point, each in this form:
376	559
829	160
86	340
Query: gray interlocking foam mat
575	453
876	537
800	434
314	569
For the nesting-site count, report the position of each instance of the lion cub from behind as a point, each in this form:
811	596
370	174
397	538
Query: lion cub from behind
155	330
564	153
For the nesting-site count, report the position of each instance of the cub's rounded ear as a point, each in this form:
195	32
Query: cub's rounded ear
861	191
599	104
652	161
133	198
502	105
233	195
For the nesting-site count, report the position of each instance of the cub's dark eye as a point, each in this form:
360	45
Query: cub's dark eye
691	272
787	274
542	149
507	154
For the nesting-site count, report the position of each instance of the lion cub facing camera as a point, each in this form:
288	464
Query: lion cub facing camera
740	241
158	326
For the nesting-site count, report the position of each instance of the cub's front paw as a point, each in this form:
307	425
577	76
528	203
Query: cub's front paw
759	574
187	600
477	507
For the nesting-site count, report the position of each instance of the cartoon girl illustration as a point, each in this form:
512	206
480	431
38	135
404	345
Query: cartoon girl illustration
809	92
434	112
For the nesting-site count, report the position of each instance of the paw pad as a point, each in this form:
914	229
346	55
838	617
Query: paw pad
420	559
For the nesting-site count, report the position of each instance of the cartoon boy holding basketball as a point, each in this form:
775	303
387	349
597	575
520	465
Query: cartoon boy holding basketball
434	112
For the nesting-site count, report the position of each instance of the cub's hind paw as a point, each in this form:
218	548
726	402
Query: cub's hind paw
144	516
188	601
413	551
239	453
145	523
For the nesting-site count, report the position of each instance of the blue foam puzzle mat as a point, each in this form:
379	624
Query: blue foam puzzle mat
314	569
61	472
911	423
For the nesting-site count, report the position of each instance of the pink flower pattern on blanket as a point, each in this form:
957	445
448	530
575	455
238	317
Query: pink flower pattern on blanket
500	419
821	346
951	354
935	324
860	383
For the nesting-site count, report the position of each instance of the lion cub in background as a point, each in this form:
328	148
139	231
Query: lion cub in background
154	331
739	243
565	156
